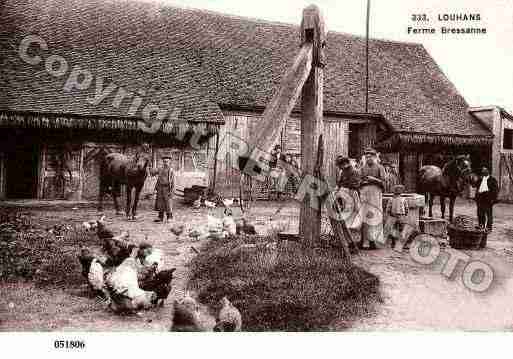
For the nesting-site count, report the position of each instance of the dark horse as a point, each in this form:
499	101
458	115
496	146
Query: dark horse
117	169
446	182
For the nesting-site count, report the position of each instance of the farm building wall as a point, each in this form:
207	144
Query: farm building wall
83	161
244	124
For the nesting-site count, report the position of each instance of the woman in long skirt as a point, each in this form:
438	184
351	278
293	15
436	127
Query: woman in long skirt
371	195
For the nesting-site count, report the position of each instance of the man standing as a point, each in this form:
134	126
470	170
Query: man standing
486	197
371	194
164	187
348	184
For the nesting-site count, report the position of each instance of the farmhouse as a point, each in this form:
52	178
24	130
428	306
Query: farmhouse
500	123
133	61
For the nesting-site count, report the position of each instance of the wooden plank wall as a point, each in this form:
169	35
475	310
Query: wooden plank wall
410	170
335	143
505	177
246	124
237	125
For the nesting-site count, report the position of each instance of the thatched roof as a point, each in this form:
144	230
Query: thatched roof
204	59
412	141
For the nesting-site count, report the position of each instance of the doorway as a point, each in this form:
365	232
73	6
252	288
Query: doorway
21	171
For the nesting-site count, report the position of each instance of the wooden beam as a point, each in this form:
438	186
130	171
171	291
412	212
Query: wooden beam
278	111
81	173
2	175
312	31
41	173
216	153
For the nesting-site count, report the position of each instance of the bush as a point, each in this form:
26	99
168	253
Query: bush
45	254
283	287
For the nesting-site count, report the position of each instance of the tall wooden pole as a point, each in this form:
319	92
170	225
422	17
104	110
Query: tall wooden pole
312	31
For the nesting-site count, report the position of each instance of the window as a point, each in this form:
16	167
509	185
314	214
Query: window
507	139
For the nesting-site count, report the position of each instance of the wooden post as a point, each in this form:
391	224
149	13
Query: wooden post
2	175
81	173
216	152
41	173
312	31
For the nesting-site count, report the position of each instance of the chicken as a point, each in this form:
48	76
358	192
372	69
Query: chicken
195	233
93	270
122	303
214	224
160	284
118	248
197	203
85	258
101	230
123	287
188	317
228	202
177	229
229	225
243	226
229	318
209	204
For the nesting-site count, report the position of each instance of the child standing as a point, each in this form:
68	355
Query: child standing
397	213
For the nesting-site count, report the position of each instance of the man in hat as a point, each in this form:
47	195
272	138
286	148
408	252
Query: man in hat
348	184
371	194
164	188
486	197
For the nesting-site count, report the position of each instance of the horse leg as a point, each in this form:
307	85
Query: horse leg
116	189
452	201
442	205
128	200
430	204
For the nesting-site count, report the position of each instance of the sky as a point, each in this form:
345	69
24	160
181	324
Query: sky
480	66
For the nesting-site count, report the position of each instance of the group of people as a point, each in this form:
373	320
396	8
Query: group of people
364	186
283	172
360	192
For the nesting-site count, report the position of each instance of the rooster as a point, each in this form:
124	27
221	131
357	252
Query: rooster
229	318
160	284
118	248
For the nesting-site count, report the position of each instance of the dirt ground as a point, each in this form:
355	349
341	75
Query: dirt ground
24	307
415	296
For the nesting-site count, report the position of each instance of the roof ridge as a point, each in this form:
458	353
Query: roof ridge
266	21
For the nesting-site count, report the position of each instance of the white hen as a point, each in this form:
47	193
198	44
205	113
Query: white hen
229	225
209	204
155	257
95	275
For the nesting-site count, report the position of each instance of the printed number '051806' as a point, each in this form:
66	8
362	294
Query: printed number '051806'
69	344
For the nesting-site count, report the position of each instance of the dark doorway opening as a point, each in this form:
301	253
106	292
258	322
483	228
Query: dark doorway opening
21	171
355	143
